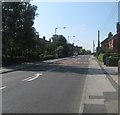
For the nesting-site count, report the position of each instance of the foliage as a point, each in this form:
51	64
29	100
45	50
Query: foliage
83	51
115	55
47	57
21	42
18	35
59	45
100	57
59	51
71	49
88	52
108	59
113	61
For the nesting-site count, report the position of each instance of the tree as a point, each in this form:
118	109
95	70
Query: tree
59	40
59	51
71	49
17	28
88	52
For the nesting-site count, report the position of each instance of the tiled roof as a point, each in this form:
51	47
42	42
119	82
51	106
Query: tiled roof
105	40
110	38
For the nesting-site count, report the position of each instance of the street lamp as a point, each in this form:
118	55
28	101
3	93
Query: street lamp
70	36
59	28
76	40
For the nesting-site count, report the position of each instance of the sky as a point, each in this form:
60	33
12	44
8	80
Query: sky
81	19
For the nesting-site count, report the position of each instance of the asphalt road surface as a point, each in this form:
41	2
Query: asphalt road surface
49	87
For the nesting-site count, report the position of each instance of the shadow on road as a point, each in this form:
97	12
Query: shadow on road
46	66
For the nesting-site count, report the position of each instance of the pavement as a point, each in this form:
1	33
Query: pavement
101	88
112	71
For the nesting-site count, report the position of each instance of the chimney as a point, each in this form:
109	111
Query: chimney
118	27
110	35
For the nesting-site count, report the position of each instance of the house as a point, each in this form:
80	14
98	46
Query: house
105	43
112	41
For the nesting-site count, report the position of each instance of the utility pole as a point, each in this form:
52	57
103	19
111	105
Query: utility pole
119	11
93	46
98	38
98	47
55	30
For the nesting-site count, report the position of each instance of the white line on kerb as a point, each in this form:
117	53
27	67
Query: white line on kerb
2	87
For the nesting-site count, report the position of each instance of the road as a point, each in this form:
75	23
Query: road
49	87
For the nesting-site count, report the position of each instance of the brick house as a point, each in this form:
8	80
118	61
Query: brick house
105	43
112	41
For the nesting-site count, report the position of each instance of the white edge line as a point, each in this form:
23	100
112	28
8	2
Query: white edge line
82	103
81	109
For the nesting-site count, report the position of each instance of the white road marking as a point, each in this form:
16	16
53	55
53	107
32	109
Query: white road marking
2	87
36	76
32	77
27	78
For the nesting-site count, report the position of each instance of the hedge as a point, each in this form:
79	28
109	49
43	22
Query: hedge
10	61
47	57
100	57
113	61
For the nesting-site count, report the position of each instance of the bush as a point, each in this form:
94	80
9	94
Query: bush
105	58
100	57
113	61
115	55
41	57
47	57
12	61
33	56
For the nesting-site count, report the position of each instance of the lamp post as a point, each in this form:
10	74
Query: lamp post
59	28
76	41
55	30
69	37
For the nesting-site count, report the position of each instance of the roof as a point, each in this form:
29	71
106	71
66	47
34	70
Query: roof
105	40
113	37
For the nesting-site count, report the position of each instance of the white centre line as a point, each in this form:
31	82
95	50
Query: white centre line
2	87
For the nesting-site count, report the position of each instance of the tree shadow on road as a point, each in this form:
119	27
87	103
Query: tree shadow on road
46	66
